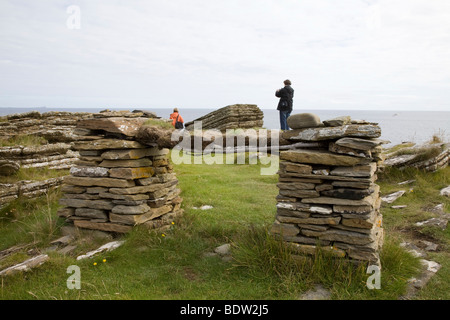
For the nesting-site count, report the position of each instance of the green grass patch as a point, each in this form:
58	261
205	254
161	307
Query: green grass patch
35	174
23	140
163	124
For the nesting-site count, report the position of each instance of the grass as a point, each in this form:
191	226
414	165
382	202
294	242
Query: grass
35	174
159	123
23	140
178	266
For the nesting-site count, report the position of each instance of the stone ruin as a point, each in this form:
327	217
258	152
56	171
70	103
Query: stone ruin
119	182
60	132
328	197
237	116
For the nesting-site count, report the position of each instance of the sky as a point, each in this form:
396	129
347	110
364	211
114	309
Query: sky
343	55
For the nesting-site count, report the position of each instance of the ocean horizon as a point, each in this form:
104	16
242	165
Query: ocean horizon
396	126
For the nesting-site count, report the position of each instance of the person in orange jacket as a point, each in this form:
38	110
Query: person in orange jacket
175	116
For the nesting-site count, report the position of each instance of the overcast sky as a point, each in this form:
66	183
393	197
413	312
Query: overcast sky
339	54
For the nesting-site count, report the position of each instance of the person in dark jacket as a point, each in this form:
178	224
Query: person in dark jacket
285	104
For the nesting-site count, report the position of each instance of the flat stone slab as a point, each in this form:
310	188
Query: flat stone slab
393	196
104	144
98	182
328	133
433	222
27	265
319	157
106	247
125	126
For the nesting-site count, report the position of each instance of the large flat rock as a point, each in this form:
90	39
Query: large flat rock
320	157
329	133
126	126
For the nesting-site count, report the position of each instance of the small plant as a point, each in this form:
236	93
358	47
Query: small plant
163	124
23	140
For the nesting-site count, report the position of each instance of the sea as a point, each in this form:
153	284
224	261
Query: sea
396	126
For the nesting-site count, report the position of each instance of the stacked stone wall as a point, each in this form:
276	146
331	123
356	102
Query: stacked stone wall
118	182
328	197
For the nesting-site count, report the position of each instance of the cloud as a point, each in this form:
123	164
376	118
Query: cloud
195	53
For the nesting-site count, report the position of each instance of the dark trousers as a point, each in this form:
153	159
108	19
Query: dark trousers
283	119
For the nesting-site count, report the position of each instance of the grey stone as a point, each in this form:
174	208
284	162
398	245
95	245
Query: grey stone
393	196
223	249
88	171
338	121
318	293
303	120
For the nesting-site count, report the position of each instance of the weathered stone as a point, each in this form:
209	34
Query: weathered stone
347	193
393	196
121	209
328	133
126	197
319	293
68	188
306	240
161	178
319	157
368	223
131	173
352	184
445	191
333	147
109	226
134	219
83	196
93	204
299	193
345	209
94	190
338	121
362	171
360	144
367	201
26	265
65	212
88	171
348	237
8	167
326	220
99	182
130	154
284	229
231	117
295	167
105	144
144	162
91	213
125	126
303	120
434	222
143	189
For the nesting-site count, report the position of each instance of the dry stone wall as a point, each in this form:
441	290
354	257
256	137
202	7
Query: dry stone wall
119	182
328	197
231	117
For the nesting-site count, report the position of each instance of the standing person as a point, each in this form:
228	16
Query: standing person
286	95
177	120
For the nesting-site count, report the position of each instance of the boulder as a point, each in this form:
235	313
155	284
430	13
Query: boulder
303	120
